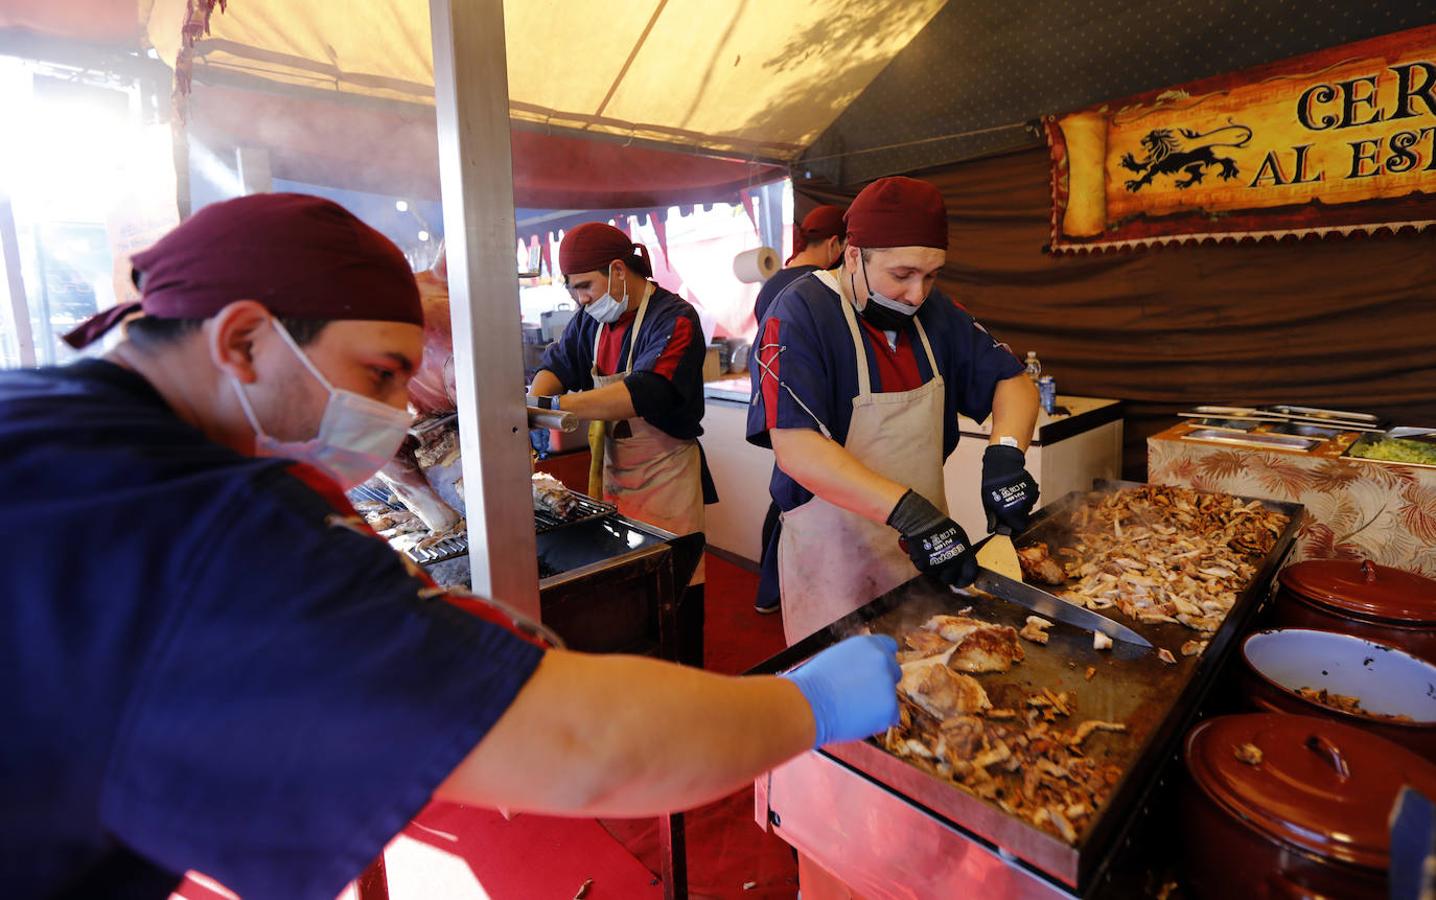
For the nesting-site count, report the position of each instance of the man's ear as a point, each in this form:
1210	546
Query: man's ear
230	336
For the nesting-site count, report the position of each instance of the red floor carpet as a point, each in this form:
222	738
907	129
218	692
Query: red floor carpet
728	854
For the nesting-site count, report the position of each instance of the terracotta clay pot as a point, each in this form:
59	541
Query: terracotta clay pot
1361	598
1384	679
1308	819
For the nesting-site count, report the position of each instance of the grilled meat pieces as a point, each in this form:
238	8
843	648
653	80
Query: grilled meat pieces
550	494
1159	554
976	646
1039	566
941	692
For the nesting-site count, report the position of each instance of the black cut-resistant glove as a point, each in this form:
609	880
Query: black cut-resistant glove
1008	491
936	544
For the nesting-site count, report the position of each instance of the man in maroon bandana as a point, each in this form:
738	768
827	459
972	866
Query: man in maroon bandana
633	363
212	664
861	372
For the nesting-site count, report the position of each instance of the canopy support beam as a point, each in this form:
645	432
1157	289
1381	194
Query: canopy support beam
18	306
476	182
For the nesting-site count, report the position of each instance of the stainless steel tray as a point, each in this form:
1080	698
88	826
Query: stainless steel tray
1381	462
1263	441
1333	415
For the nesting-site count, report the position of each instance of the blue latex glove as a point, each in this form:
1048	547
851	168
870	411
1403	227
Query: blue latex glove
852	688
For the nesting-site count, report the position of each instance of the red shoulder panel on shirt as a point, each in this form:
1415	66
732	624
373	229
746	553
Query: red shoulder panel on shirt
678	344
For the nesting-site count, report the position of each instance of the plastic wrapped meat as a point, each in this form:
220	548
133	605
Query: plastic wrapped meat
433	389
403	476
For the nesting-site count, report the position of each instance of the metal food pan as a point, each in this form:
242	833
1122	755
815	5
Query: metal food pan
1367	439
1261	441
1334	415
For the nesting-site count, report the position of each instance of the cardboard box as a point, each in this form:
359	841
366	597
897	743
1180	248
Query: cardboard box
712	365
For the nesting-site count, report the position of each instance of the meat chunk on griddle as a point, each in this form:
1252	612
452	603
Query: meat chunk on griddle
978	646
941	692
1039	566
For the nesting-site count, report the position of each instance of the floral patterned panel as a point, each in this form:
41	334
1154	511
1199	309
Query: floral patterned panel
1355	510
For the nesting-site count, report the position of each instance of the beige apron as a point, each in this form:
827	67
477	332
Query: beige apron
832	561
650	475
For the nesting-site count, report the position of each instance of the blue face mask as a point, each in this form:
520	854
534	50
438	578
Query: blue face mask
607	310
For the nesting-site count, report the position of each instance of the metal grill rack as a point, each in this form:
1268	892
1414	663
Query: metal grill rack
585	509
447	549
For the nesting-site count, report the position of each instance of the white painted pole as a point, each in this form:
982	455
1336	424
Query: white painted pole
254	171
471	98
18	306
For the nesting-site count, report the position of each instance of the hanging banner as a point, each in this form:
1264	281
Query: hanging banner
1339	141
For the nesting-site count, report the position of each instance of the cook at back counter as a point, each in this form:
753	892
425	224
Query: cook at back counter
213	665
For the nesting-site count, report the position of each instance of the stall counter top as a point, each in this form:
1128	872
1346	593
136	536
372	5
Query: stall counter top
737	388
1084	414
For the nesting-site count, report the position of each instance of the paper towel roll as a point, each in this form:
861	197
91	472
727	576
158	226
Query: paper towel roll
755	266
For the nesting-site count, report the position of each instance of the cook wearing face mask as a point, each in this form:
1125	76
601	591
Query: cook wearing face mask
216	655
859	378
357	435
632	364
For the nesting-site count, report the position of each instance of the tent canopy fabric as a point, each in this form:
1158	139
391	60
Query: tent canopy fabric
392	148
754	80
966	86
106	22
844	90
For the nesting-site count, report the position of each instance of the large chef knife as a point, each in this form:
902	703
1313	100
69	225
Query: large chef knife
1039	601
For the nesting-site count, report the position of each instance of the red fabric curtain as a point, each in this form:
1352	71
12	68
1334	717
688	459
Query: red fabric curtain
1342	322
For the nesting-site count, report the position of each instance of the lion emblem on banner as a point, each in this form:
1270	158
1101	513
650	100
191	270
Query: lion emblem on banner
1167	154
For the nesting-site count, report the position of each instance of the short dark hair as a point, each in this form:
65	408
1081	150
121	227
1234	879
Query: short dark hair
153	333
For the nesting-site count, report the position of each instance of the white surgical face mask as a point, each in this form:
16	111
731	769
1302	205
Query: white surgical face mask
607	310
357	435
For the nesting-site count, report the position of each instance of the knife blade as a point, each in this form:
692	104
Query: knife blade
1039	601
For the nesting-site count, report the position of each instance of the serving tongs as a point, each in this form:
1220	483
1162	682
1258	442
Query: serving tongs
1409	433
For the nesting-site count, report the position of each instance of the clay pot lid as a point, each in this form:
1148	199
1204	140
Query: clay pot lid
1363	588
1321	786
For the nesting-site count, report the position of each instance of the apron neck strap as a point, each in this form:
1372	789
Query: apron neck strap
632	331
865	386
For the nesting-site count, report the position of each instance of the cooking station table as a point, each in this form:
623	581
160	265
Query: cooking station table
887	828
1356	508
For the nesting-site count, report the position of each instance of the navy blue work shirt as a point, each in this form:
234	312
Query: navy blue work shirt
774	286
666	383
208	664
805	343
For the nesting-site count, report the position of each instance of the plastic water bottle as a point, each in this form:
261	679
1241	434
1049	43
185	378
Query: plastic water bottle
1034	366
1047	393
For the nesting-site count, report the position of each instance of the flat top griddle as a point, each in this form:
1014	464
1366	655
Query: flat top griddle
1131	685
